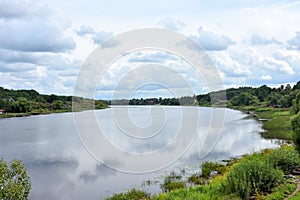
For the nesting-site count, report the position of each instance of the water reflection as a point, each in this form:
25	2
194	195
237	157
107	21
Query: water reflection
60	167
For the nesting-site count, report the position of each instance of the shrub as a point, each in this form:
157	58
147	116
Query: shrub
285	158
296	128
174	186
251	177
172	182
208	167
196	179
130	195
14	181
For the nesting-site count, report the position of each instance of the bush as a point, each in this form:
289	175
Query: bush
296	128
285	158
172	182
251	177
208	167
174	186
130	195
196	179
14	181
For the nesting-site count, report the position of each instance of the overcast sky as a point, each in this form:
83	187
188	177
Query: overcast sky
43	44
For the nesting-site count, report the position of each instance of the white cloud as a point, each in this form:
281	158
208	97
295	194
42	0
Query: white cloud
229	66
295	41
251	42
212	41
172	24
22	8
101	36
259	40
85	30
36	28
266	77
152	57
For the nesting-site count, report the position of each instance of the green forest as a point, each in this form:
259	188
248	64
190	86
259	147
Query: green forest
26	102
281	97
31	101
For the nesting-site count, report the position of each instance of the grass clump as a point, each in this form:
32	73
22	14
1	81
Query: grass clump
282	191
172	182
209	167
251	178
133	194
285	158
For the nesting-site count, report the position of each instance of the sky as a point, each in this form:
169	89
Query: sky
44	44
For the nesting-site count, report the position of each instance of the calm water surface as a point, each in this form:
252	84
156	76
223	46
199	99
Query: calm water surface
61	168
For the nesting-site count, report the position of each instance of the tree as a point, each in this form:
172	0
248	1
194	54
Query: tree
57	104
297	86
288	88
244	99
14	181
262	92
2	103
22	105
296	104
296	128
274	98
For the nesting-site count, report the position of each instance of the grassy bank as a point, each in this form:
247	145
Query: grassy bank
43	112
276	121
256	176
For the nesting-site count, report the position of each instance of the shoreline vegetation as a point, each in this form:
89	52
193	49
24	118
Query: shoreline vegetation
21	103
263	175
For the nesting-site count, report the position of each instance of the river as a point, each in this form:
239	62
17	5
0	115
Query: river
60	167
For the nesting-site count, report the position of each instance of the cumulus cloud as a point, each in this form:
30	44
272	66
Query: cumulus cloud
21	8
229	66
16	68
290	56
33	28
252	58
212	41
171	24
266	77
85	30
101	36
295	41
157	57
272	64
259	40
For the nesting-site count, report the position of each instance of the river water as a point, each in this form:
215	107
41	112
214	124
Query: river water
60	167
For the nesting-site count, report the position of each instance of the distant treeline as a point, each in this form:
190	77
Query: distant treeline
23	101
20	101
282	96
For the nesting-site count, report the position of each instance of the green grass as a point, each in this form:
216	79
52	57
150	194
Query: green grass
278	124
296	196
277	121
282	191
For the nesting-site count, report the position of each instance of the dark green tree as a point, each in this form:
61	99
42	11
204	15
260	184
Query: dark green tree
296	104
57	105
262	92
244	99
22	105
297	86
296	128
14	181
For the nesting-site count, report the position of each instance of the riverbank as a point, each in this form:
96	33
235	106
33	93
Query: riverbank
227	181
42	112
276	121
